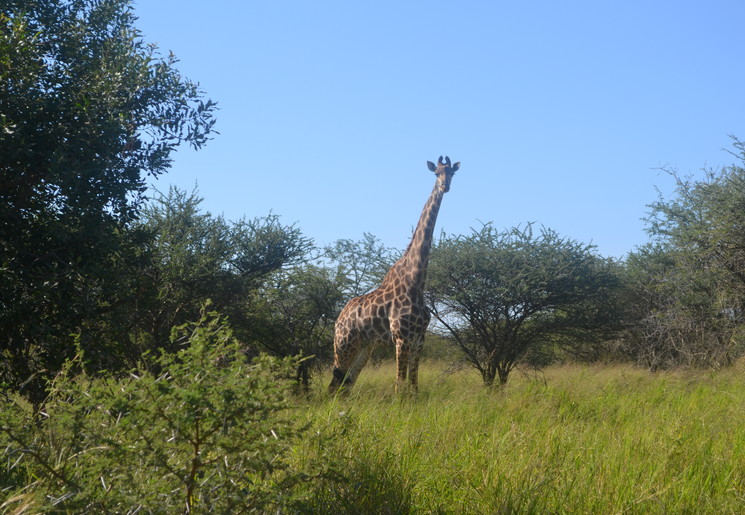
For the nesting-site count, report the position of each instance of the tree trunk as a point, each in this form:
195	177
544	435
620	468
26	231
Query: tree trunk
488	376
303	377
504	372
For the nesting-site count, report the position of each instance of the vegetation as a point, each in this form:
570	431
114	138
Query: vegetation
88	110
686	289
573	439
194	256
207	431
122	394
502	295
295	314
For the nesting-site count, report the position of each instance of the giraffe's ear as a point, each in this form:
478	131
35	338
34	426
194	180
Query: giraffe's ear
431	166
456	166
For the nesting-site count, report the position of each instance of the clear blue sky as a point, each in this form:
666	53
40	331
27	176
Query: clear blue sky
560	112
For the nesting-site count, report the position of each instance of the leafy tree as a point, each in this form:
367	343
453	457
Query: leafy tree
362	263
294	315
683	310
707	217
503	295
687	287
197	256
88	109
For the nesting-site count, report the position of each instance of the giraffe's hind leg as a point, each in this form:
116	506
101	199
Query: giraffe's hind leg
402	361
414	354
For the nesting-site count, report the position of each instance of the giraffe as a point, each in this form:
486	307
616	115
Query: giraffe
395	312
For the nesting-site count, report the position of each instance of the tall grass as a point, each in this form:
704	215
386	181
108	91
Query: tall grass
574	439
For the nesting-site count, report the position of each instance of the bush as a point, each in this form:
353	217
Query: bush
208	431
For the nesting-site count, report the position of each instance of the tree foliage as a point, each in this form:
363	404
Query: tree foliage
294	313
196	256
687	287
254	271
707	217
502	295
362	264
88	110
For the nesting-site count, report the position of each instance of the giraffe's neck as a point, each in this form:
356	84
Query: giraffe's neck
413	264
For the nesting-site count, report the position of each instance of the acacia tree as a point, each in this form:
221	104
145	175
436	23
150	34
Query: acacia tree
87	110
687	287
501	295
362	263
684	310
706	217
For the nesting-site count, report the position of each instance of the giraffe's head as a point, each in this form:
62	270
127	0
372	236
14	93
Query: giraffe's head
444	172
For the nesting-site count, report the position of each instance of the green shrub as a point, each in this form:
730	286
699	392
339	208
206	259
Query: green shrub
207	432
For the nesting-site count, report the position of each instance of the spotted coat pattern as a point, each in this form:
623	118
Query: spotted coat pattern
395	312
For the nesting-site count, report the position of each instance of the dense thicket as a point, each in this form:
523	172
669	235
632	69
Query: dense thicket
195	256
88	110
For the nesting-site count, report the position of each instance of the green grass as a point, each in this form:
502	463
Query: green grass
571	440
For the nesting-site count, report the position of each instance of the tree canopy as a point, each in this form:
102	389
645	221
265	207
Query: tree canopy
362	264
501	294
89	109
687	286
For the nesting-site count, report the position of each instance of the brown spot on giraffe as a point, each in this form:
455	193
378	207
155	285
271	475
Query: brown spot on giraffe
394	312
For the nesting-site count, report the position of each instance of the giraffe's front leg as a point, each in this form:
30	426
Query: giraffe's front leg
402	362
416	350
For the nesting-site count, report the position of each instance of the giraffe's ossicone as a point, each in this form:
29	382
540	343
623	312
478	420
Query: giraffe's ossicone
395	312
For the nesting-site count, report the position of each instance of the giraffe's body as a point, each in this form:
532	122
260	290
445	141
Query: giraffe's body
395	312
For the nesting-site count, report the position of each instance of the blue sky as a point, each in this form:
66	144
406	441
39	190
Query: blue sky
561	113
